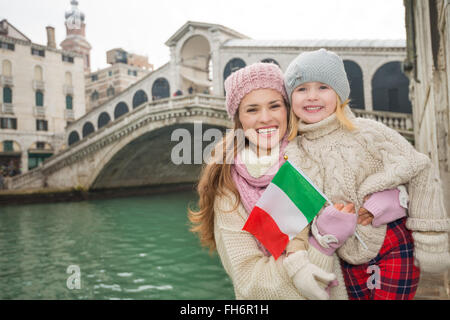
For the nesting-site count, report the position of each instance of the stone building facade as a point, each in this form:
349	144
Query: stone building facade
428	67
126	68
41	90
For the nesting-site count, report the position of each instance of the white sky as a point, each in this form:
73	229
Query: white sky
143	26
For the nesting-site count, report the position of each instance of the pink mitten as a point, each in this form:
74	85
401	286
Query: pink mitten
385	207
331	228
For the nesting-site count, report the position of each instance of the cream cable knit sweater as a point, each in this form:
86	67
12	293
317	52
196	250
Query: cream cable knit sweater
347	166
254	275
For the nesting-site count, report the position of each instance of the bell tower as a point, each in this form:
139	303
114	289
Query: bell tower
76	35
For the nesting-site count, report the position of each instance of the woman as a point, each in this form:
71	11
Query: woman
231	184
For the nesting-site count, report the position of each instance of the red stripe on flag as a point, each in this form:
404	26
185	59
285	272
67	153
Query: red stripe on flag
265	229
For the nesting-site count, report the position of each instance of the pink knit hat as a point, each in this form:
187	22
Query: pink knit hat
256	76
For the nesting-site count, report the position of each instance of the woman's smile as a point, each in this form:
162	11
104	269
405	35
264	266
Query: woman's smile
267	131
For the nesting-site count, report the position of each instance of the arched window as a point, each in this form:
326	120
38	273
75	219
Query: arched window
73	137
7	95
38	74
160	89
94	96
232	66
39	98
120	109
69	102
88	128
103	120
390	89
270	60
6	68
355	77
110	91
139	98
68	79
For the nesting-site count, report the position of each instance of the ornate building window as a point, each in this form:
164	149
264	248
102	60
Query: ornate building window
6	68
39	98
7	46
8	146
41	125
68	79
38	52
110	91
69	102
94	96
67	58
8	123
7	95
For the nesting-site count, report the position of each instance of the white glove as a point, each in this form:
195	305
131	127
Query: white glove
305	276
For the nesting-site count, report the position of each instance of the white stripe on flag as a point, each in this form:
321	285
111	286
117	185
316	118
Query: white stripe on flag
280	207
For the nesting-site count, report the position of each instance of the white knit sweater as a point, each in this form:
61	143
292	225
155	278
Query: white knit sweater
254	275
348	165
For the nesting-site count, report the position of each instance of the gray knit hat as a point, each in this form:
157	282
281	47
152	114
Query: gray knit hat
321	66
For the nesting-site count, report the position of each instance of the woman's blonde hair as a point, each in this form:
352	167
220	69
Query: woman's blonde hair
340	115
216	180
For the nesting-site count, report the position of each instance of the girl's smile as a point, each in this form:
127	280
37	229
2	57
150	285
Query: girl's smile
313	101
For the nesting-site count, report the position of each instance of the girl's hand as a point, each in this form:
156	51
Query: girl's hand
365	216
349	208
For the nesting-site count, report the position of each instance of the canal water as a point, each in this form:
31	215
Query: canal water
127	248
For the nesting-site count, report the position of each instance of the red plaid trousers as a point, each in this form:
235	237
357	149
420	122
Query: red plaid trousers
391	275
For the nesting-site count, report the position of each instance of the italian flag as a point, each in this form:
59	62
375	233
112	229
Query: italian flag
287	206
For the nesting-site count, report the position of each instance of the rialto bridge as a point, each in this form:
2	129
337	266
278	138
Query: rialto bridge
126	142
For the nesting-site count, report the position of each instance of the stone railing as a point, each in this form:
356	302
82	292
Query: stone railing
7	108
401	122
6	81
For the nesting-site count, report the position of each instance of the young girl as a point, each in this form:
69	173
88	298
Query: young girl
350	158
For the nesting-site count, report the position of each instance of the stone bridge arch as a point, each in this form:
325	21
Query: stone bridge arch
133	150
145	158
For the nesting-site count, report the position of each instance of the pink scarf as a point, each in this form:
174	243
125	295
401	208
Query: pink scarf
250	188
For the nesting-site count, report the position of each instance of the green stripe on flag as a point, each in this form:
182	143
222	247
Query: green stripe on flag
307	199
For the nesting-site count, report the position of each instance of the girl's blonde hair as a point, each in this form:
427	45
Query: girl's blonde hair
340	115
